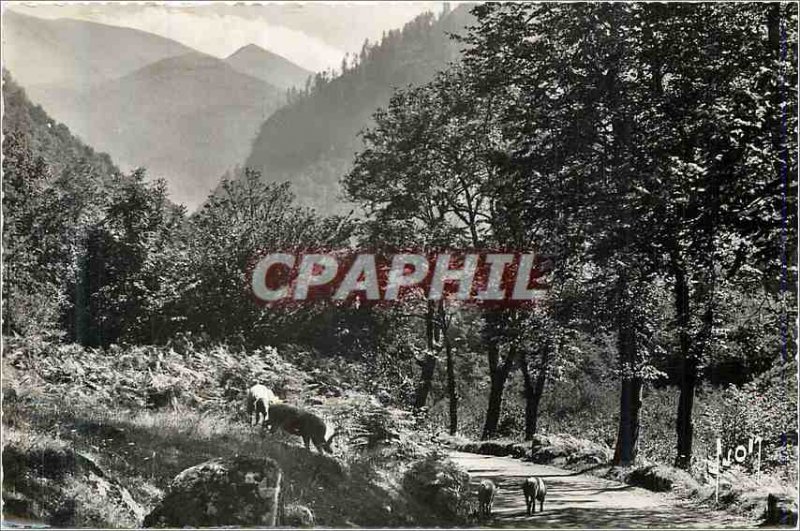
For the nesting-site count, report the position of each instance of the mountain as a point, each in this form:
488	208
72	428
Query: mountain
267	66
311	141
187	119
76	54
47	138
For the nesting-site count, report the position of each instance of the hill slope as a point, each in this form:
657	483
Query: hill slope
267	66
47	138
77	54
311	141
186	119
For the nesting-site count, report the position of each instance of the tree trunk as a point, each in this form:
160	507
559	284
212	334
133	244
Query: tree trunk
451	387
428	366
451	372
685	405
428	362
533	392
541	377
531	412
628	434
630	401
496	327
499	377
688	373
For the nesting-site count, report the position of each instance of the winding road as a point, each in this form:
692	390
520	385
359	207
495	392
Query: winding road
583	500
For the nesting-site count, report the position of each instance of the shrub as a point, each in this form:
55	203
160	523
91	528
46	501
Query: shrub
439	489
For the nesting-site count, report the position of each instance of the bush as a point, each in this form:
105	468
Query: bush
439	489
659	478
765	407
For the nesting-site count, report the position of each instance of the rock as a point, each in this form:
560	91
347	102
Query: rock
653	477
295	515
64	488
237	491
781	510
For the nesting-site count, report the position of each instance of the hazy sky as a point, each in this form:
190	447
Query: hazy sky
315	35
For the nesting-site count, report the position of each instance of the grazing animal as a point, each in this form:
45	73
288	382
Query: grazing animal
486	492
297	421
259	397
534	490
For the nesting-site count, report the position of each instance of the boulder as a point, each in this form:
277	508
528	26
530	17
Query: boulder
295	515
237	491
652	477
58	486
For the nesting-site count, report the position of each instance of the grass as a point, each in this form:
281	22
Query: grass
107	446
145	450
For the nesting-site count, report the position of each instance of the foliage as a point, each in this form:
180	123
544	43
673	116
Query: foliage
435	482
129	260
247	217
53	187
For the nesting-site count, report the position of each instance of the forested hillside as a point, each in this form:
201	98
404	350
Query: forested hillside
44	136
311	141
54	185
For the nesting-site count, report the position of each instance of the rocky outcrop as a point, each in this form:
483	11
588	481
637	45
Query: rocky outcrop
59	486
237	491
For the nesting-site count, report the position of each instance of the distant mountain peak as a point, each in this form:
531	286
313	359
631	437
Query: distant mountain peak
250	48
188	60
268	66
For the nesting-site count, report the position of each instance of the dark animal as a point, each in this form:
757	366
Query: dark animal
258	399
297	421
534	490
486	492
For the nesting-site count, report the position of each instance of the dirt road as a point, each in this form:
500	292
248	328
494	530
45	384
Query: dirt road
581	500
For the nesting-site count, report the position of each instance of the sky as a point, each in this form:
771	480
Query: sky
314	35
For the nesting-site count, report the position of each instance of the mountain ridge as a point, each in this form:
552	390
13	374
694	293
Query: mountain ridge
311	141
268	66
186	118
64	51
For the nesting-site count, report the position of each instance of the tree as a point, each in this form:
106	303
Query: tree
128	264
418	173
246	217
653	141
31	281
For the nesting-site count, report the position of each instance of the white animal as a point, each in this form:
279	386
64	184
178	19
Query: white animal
534	490
486	492
259	397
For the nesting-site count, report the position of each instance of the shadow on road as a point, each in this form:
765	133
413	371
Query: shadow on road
579	500
575	516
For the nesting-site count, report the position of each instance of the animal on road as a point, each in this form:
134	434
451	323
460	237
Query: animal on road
259	397
486	492
297	421
534	490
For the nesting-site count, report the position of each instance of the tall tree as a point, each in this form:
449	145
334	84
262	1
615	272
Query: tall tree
651	124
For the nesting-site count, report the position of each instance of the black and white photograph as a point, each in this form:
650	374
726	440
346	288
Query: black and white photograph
399	265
